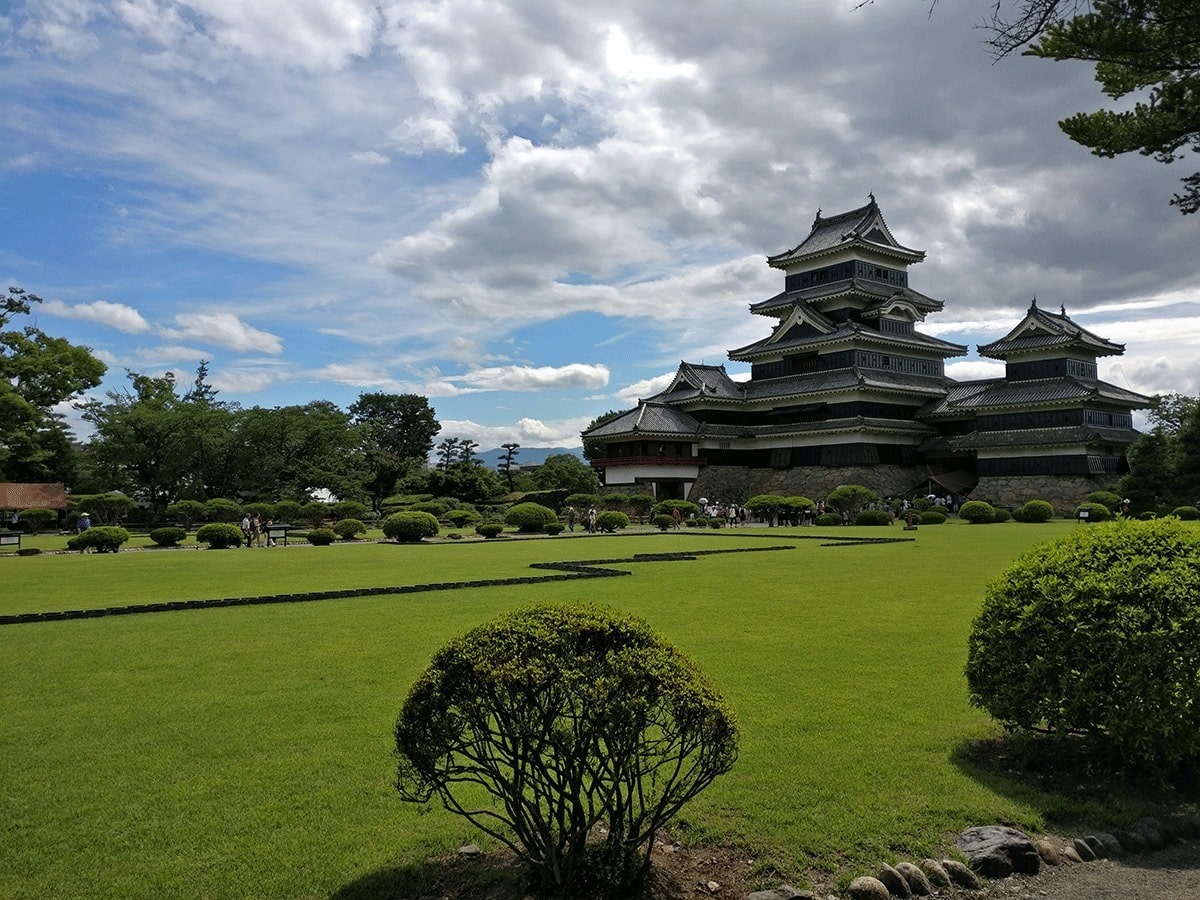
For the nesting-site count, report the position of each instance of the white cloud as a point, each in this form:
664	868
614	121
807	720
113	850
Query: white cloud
224	330
536	378
527	432
972	369
425	135
370	158
646	388
114	315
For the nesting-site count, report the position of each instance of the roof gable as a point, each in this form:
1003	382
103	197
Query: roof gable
863	227
1043	330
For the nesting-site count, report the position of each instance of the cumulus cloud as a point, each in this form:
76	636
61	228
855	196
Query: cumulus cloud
648	387
536	378
104	312
527	432
224	330
370	158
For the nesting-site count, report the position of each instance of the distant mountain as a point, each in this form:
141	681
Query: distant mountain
526	455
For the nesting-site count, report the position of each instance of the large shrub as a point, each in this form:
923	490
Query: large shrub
931	517
321	537
1035	511
873	517
825	520
489	529
168	536
610	520
977	512
410	527
1189	513
1096	512
530	518
219	535
686	508
1105	498
1002	514
101	538
350	509
287	511
105	509
460	517
626	730
614	501
1098	633
348	529
663	523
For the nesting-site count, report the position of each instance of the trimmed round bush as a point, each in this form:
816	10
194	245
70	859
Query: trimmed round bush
1096	512
696	522
531	518
554	528
626	729
101	538
686	509
663	523
1104	498
977	512
219	535
873	517
433	507
221	509
287	511
170	536
1098	633
350	509
932	517
1190	513
1002	514
348	529
825	520
1147	516
610	520
410	526
489	529
1034	511
321	537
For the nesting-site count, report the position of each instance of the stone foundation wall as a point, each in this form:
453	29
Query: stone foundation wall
1063	492
740	483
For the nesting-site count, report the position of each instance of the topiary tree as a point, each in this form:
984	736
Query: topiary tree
101	538
977	512
530	518
287	511
614	501
1098	633
348	529
321	537
569	717
350	509
1106	498
37	517
314	514
610	520
489	529
663	523
186	512
220	509
641	504
686	508
105	509
409	527
219	535
553	528
932	517
849	499
1035	511
826	520
168	536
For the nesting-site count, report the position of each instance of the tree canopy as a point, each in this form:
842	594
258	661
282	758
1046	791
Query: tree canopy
37	372
1147	49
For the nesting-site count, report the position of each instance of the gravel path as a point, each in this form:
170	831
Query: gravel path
1169	874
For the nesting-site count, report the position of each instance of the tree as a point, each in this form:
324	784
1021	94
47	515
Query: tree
447	453
396	431
569	718
567	472
1168	412
595	449
37	372
508	462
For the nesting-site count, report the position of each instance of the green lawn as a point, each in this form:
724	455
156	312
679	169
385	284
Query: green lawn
246	751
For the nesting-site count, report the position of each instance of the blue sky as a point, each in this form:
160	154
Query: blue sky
530	211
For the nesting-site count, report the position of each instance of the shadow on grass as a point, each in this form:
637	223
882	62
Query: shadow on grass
1072	783
487	877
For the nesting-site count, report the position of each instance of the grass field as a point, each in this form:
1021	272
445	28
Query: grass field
246	752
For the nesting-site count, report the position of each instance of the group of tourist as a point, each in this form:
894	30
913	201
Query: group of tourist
253	529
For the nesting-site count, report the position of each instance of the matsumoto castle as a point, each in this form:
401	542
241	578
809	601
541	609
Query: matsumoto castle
847	390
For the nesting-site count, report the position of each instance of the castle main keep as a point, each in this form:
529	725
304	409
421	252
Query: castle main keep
847	390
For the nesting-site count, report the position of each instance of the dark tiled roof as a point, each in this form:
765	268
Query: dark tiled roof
840	380
1044	437
848	331
857	225
1041	330
996	393
880	292
849	424
648	419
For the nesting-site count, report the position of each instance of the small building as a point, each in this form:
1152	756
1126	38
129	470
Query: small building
847	389
15	497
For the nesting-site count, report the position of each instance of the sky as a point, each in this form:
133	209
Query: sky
530	211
